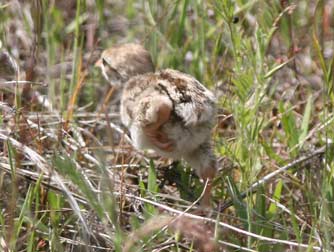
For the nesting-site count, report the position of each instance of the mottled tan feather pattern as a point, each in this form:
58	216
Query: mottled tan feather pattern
126	60
193	107
168	111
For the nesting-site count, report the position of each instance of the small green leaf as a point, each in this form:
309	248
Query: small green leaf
289	126
306	120
152	185
277	196
276	68
319	52
68	168
238	203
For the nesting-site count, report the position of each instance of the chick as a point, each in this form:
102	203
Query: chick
168	111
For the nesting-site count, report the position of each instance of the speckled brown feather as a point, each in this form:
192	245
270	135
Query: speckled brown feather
192	103
168	111
122	61
192	118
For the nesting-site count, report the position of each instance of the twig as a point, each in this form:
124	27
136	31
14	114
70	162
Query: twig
224	225
170	221
210	220
42	164
236	246
285	209
23	82
265	179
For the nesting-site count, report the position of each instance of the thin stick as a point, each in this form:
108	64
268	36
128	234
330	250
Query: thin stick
265	179
225	225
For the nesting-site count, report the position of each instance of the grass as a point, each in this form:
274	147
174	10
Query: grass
70	180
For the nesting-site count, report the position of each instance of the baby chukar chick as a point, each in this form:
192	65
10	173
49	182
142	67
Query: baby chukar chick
121	62
167	111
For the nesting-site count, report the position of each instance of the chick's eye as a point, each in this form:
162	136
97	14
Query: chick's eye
104	62
111	73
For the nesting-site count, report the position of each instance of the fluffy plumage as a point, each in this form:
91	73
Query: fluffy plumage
168	111
191	119
121	62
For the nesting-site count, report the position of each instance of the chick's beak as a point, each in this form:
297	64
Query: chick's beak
98	63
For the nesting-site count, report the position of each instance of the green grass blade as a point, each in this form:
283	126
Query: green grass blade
152	185
306	120
68	168
272	211
238	203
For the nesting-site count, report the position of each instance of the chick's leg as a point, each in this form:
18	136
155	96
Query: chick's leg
160	110
207	176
